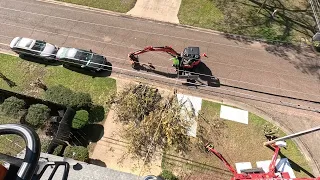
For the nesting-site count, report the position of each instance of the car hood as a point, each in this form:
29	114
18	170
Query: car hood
14	41
48	50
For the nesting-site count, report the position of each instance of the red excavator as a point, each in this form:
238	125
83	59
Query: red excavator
188	59
187	64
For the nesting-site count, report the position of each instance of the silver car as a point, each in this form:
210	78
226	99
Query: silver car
31	47
81	58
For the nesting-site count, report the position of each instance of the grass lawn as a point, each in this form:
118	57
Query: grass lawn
292	22
112	5
235	141
23	73
10	144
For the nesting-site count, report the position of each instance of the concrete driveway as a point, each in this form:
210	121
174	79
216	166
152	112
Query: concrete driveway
253	73
161	10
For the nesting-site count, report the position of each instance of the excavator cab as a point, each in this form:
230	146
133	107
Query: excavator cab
190	56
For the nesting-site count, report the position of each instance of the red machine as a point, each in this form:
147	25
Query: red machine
257	173
188	59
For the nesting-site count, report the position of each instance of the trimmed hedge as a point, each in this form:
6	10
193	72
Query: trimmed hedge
37	114
12	106
65	96
79	153
57	150
80	119
168	175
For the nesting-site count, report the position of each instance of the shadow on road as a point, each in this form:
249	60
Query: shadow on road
97	162
305	59
206	76
40	60
152	69
104	73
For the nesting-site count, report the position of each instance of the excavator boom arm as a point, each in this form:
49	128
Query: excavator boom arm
166	49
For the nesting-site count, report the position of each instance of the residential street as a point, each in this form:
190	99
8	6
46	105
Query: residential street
247	68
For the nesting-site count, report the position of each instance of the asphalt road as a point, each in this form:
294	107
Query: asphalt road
249	69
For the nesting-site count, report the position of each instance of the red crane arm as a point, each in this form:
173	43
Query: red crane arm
166	49
210	148
272	166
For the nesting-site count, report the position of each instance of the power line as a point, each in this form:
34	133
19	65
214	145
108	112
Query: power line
210	88
200	74
116	44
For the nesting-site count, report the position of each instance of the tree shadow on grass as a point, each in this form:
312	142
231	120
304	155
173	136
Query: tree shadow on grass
96	114
7	80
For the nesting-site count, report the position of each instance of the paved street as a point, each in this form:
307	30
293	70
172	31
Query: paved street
244	66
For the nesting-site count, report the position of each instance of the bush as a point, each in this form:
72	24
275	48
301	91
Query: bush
79	153
37	114
80	119
168	175
45	145
65	96
57	150
12	106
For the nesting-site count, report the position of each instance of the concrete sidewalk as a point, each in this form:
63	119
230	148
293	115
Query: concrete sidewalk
161	10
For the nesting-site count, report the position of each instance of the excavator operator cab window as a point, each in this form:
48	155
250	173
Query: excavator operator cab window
191	53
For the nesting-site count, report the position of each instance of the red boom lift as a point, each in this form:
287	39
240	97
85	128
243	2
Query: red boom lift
258	173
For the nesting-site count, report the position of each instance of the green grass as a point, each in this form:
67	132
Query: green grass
10	144
99	87
202	13
242	17
112	5
23	73
235	141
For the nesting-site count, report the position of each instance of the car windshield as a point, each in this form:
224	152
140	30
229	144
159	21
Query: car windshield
39	45
96	60
83	55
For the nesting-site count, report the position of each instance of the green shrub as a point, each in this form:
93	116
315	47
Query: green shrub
168	175
12	106
37	114
57	150
79	153
65	96
80	119
45	145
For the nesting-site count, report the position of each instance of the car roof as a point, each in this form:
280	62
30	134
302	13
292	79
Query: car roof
26	42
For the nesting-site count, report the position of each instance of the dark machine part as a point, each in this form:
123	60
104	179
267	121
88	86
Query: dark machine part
25	169
188	59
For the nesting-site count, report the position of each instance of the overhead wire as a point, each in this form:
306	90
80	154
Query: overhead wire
166	80
200	74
